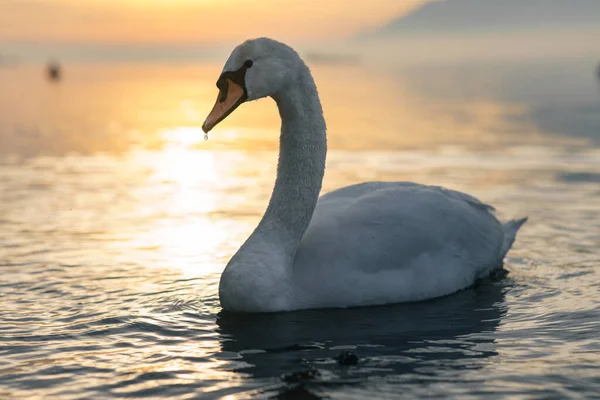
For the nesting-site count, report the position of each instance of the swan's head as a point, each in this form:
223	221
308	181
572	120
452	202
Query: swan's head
255	69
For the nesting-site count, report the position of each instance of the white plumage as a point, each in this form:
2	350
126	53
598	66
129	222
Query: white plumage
387	242
366	244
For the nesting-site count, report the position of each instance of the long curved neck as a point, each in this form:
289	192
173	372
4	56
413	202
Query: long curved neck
259	275
301	166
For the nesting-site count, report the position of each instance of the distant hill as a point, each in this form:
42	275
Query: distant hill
469	16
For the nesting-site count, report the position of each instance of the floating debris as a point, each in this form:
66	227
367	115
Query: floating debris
347	358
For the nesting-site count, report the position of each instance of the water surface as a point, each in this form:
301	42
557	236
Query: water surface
117	220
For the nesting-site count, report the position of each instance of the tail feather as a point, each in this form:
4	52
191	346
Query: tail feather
510	232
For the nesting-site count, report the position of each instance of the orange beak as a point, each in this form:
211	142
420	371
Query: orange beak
231	95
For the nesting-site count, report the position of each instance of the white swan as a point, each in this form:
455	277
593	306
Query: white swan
366	244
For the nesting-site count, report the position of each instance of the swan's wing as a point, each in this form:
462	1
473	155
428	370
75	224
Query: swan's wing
404	220
379	236
367	188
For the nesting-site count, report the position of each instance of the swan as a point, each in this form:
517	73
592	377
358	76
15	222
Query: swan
367	244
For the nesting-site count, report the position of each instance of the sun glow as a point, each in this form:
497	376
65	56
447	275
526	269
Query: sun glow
186	195
152	22
182	136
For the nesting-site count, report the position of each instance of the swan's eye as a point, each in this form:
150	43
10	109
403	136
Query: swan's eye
248	63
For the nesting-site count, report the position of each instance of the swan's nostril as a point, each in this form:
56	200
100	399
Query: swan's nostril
223	90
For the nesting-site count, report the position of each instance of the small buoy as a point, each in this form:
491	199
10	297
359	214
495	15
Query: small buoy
54	71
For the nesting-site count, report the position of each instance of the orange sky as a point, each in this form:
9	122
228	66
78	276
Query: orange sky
189	21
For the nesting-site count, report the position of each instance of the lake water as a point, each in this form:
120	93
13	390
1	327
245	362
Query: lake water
117	218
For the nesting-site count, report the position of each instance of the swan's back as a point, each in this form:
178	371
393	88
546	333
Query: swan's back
385	242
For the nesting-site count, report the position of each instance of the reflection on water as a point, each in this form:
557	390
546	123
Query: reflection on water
117	219
116	108
411	342
554	98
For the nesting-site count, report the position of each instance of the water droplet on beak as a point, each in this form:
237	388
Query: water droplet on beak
205	135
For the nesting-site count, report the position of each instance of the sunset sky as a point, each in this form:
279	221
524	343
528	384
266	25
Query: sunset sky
165	22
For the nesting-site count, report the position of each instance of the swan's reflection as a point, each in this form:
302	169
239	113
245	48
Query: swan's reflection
430	338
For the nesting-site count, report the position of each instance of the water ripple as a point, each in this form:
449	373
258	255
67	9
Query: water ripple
121	300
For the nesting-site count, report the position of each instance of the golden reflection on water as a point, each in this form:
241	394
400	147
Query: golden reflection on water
184	178
117	108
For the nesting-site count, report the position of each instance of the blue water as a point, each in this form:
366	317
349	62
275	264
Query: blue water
116	220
